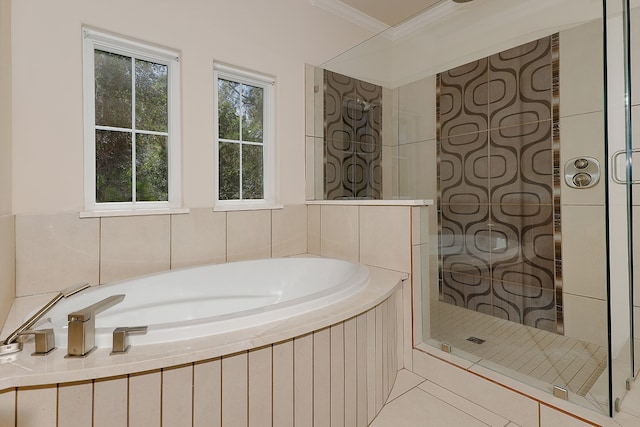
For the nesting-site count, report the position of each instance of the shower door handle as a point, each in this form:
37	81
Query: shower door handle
614	166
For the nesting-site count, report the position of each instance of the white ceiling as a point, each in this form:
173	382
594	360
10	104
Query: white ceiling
390	12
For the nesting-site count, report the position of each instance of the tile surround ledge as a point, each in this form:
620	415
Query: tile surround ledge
23	370
370	202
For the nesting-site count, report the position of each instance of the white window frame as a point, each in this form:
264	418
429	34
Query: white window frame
93	40
222	71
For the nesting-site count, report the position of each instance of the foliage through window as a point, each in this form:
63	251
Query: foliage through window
243	136
130	128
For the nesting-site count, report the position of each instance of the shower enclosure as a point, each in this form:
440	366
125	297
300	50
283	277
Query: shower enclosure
515	118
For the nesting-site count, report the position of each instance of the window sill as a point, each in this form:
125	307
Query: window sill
140	212
229	208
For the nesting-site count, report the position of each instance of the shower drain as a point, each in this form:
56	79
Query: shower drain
475	340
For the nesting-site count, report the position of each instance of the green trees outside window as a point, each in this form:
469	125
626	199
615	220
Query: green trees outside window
131	128
240	140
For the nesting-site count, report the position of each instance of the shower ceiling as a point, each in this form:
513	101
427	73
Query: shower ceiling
390	12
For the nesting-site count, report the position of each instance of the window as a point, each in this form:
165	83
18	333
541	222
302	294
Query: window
244	142
132	147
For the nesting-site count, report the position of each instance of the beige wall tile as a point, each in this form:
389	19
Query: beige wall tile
283	384
309	96
583	251
339	232
110	402
313	229
379	365
303	381
314	169
322	378
36	406
385	237
144	399
582	135
417	174
338	385
248	235
198	238
235	393
417	111
133	246
390	172
207	394
8	408
635	120
634	16
177	401
420	225
362	351
261	387
289	231
585	318
421	292
75	404
581	75
55	251
350	373
371	365
7	265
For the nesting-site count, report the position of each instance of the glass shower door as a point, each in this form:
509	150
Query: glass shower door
620	206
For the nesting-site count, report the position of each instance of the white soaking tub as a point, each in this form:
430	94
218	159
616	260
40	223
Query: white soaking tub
213	299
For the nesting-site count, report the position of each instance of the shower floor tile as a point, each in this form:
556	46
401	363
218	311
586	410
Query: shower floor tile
538	354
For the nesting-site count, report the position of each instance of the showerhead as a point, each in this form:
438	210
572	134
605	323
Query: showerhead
462	1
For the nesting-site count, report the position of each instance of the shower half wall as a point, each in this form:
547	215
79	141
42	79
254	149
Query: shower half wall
498	185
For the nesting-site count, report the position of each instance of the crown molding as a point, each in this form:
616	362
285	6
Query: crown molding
427	17
348	13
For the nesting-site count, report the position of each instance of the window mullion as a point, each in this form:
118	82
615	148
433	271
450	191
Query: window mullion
240	139
134	196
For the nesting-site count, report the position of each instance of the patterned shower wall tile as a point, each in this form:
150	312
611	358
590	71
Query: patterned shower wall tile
353	173
522	245
462	100
367	123
353	138
338	158
521	164
365	175
524	304
463	170
464	239
463	290
520	83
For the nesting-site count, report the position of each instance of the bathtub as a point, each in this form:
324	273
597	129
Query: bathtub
208	300
236	355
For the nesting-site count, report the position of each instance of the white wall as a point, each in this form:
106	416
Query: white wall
41	147
7	240
275	37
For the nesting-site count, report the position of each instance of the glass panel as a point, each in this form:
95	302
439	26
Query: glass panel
252	172
113	167
229	175
113	89
152	183
228	110
252	124
484	125
151	96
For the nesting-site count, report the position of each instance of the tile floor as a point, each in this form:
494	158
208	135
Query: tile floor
417	402
521	351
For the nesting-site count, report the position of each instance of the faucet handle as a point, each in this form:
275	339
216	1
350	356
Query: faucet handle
120	341
45	340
